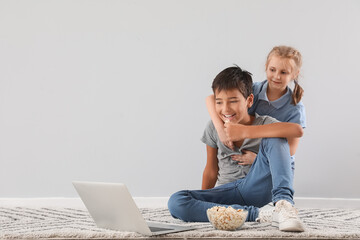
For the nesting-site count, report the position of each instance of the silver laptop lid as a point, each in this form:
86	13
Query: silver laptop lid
111	206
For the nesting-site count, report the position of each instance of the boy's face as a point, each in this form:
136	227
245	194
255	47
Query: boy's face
231	105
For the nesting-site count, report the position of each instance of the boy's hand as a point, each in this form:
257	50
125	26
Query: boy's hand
229	144
224	139
247	158
234	132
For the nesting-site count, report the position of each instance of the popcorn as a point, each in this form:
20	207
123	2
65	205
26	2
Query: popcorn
223	218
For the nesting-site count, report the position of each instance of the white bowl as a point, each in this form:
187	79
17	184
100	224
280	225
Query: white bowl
229	219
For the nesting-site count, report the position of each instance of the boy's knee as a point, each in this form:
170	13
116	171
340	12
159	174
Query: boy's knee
177	204
273	141
173	202
277	143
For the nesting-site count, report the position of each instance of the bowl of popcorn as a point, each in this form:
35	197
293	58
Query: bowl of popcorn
229	219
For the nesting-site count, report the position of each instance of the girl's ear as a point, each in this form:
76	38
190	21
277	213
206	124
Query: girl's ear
250	100
296	74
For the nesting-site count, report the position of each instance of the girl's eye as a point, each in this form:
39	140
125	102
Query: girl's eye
283	72
218	102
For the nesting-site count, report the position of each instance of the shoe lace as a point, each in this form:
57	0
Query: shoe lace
266	214
289	212
266	217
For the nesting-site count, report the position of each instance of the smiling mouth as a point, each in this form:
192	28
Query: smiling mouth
276	82
229	117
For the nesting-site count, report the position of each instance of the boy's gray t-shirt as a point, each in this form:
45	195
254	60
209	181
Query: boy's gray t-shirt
230	170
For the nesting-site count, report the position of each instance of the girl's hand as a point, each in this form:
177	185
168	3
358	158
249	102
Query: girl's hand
225	140
247	158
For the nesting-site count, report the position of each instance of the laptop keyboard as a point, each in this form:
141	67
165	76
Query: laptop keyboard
157	229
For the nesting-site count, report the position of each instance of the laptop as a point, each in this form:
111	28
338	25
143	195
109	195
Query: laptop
112	207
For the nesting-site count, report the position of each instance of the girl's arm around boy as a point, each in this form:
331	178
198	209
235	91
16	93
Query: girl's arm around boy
237	132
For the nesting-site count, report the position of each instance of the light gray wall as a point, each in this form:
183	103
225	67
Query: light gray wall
115	90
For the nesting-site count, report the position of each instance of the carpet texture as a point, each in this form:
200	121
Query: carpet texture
30	223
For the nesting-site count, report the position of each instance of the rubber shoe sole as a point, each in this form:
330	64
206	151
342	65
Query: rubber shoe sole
288	226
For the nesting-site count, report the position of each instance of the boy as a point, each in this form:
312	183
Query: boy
232	100
270	177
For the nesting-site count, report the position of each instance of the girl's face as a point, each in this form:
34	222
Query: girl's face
279	73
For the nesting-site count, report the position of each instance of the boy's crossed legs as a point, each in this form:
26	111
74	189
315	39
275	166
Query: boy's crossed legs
270	179
191	206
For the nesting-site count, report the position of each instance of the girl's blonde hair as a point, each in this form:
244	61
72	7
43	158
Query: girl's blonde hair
289	53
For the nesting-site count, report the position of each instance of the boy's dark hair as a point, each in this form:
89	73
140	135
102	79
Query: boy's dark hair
233	78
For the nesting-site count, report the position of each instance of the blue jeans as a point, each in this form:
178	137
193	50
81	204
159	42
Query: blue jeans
270	179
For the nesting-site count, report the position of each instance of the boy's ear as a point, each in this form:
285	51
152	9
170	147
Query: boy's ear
250	100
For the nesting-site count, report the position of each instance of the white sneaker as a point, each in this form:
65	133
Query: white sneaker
286	217
266	213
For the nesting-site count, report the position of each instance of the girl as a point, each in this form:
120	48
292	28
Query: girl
272	97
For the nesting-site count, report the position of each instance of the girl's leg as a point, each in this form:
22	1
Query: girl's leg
191	206
271	175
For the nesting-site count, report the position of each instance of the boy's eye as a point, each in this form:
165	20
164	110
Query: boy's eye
283	72
233	101
218	102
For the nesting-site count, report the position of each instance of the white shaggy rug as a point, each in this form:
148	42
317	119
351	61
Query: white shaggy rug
66	223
